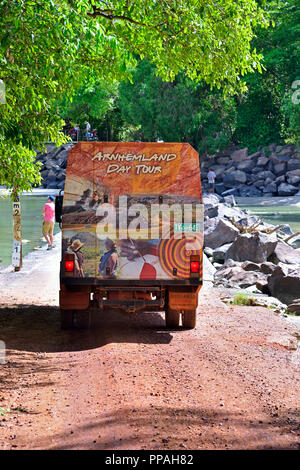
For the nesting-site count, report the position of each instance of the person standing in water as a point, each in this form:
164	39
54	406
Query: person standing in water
48	224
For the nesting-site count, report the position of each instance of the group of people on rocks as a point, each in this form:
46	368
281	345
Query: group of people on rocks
75	132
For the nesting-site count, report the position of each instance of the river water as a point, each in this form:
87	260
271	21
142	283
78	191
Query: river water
31	207
273	210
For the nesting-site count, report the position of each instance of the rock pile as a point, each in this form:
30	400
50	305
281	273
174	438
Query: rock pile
272	171
54	164
247	252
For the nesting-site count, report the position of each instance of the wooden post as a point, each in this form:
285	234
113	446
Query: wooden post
17	232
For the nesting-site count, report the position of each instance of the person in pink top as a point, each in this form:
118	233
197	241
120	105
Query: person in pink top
48	223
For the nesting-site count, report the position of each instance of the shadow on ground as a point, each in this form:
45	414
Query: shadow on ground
166	428
37	329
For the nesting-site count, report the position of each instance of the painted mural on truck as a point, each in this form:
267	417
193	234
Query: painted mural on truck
133	210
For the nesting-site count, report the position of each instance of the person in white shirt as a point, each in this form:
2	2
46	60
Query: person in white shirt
87	129
211	176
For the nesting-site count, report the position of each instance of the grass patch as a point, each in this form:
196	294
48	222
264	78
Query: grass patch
292	314
243	299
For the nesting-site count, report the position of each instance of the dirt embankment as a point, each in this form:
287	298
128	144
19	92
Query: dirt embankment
232	383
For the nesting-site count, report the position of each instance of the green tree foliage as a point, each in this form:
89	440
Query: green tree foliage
50	47
291	111
208	39
266	113
189	110
47	49
95	101
178	111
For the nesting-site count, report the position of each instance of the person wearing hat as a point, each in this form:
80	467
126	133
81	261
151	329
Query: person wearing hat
75	248
48	223
109	261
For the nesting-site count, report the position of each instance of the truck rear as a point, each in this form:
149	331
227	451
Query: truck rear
132	232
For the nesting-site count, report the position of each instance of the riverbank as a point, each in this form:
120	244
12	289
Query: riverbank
270	171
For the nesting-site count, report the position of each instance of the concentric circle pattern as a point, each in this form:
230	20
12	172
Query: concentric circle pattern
175	253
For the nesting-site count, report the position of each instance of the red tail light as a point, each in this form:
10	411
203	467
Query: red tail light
195	266
69	266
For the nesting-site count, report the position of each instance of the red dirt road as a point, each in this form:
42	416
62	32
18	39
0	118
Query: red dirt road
232	383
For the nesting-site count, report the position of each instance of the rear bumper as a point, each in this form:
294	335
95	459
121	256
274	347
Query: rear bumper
92	281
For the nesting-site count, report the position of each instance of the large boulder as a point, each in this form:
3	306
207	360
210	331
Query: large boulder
270	188
211	212
280	179
250	266
250	191
219	171
246	165
263	175
237	276
293	180
230	168
254	156
262	285
267	267
293	164
229	201
220	188
224	232
293	173
210	200
239	155
51	177
226	212
287	150
259	184
223	160
235	177
284	253
52	185
255	247
219	253
62	157
294	307
208	269
262	161
285	189
61	184
280	169
285	287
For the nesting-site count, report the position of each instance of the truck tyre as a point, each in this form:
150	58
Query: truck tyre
189	319
83	319
66	319
172	318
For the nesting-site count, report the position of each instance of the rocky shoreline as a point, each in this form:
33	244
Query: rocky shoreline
54	164
246	253
271	171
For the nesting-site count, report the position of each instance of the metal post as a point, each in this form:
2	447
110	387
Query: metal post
17	233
